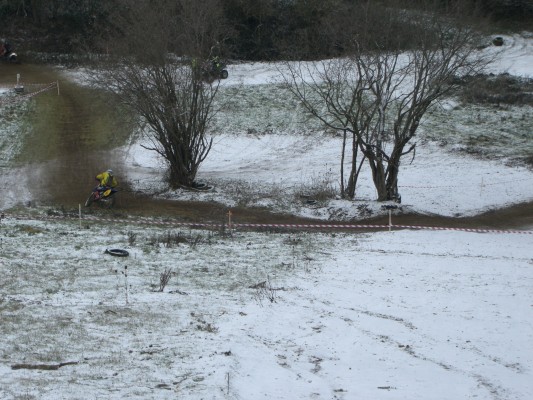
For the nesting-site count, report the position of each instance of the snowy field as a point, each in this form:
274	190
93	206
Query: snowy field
390	315
407	314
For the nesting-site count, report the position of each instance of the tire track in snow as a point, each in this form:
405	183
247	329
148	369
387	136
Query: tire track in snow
496	391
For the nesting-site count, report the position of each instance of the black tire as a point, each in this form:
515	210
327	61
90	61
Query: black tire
198	185
108	202
90	200
224	74
497	41
117	252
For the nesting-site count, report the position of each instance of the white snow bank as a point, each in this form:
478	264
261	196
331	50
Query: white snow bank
438	182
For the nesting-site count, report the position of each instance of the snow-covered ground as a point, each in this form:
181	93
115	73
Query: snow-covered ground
389	315
407	314
515	57
254	170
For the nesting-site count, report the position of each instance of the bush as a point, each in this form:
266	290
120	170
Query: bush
497	89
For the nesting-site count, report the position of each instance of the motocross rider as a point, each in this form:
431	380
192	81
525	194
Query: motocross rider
216	63
5	48
106	181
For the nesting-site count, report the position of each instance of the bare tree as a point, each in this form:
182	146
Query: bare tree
153	72
176	108
330	91
377	98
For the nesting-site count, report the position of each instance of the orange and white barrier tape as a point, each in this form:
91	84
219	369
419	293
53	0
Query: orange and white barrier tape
321	227
21	97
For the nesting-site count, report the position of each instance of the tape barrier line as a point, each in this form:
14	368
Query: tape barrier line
325	227
441	228
310	226
25	85
417	227
21	97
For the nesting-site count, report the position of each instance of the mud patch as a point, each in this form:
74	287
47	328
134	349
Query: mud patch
73	134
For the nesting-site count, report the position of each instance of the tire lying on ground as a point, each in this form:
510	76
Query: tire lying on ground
497	41
117	252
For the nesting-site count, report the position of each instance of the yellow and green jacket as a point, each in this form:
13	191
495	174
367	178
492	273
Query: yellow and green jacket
106	179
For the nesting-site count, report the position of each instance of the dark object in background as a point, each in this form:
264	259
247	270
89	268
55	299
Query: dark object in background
497	41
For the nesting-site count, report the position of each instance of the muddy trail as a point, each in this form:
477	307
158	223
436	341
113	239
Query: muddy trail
73	136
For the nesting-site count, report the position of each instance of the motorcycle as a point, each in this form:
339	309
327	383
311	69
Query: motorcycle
8	53
214	70
105	196
10	57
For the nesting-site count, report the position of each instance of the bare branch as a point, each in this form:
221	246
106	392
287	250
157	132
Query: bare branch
381	96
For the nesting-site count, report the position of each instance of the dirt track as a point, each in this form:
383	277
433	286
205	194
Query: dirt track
75	153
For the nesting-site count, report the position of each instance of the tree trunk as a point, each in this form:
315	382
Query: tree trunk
181	172
343	194
179	177
378	176
392	175
354	172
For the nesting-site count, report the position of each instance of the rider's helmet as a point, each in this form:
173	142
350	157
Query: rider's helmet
110	171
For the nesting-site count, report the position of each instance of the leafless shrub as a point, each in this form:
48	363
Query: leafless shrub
168	240
264	291
206	327
320	188
164	278
497	89
300	249
172	239
292	241
132	238
202	325
194	241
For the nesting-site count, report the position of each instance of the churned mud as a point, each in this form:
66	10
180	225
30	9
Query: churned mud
73	136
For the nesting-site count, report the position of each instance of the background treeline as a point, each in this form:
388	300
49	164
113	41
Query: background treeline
254	29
